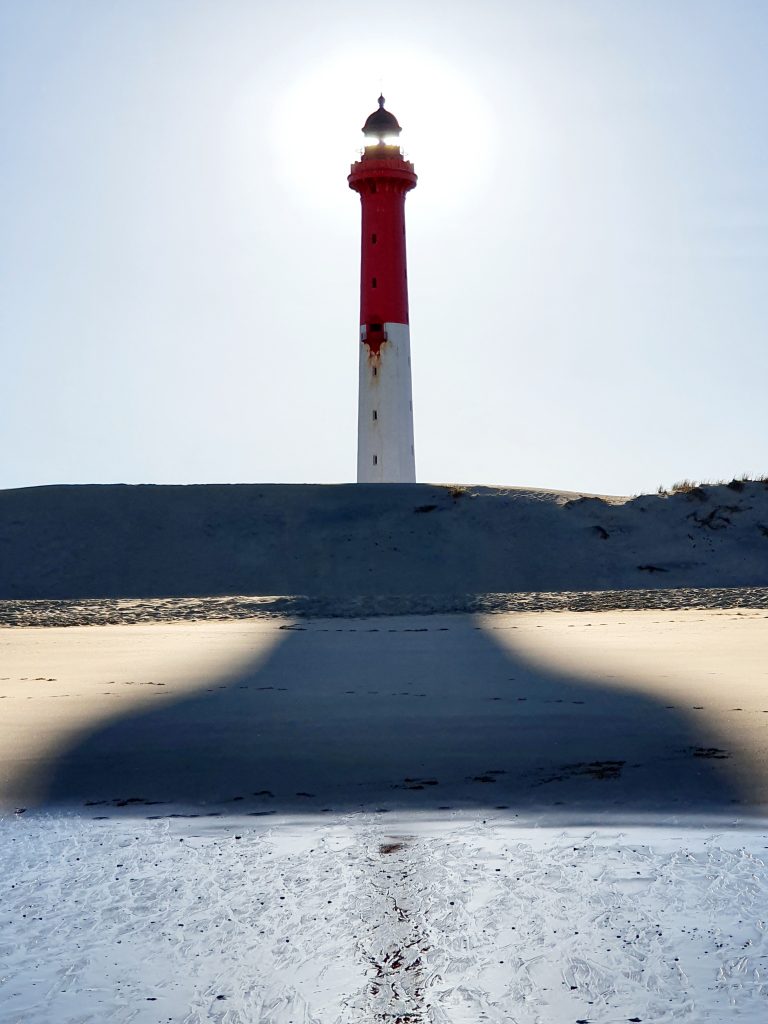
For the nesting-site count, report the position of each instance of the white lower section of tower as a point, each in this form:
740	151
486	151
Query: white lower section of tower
385	409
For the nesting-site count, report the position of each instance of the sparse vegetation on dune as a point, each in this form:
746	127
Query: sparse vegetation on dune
697	488
457	491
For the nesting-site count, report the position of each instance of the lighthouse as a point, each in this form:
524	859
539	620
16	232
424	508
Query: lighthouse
385	407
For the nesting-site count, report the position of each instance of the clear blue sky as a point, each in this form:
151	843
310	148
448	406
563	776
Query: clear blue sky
588	244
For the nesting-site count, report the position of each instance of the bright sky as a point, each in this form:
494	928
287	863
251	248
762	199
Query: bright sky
588	242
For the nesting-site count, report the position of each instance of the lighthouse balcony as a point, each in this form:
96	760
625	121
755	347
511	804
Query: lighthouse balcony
395	172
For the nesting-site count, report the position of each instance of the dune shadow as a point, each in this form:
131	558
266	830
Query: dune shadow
395	713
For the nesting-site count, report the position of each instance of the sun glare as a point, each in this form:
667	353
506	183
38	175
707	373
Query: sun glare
447	124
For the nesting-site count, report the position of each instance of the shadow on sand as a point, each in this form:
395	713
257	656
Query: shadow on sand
388	714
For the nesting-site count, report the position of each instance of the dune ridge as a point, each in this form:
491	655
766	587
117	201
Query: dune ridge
333	541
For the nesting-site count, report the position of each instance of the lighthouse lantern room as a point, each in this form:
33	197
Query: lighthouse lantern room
382	177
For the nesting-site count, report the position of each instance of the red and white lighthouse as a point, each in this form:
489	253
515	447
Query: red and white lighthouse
385	407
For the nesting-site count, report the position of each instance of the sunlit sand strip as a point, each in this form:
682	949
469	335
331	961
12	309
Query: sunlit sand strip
56	689
708	666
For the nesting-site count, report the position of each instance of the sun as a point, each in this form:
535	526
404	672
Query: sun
447	124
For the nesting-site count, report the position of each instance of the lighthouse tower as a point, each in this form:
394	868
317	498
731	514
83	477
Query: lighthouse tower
385	408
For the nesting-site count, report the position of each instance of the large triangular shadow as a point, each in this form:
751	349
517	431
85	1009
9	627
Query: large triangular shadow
403	713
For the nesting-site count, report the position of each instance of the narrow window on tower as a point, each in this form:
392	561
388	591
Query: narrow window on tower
373	239
375	460
375	371
373	282
375	414
373	189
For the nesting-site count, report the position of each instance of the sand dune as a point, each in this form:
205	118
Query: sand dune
350	540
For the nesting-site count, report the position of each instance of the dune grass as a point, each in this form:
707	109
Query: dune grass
697	488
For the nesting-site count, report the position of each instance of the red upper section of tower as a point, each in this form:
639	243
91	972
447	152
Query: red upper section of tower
382	177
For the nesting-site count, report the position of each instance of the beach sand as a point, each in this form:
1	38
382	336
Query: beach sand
427	819
572	714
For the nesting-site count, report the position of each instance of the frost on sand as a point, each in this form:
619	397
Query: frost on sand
372	919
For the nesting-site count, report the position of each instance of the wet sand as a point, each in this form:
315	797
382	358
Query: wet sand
421	920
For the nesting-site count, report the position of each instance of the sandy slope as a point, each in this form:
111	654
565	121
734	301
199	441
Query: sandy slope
348	540
367	919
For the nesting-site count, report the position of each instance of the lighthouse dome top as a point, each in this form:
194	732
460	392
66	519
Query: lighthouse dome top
381	123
